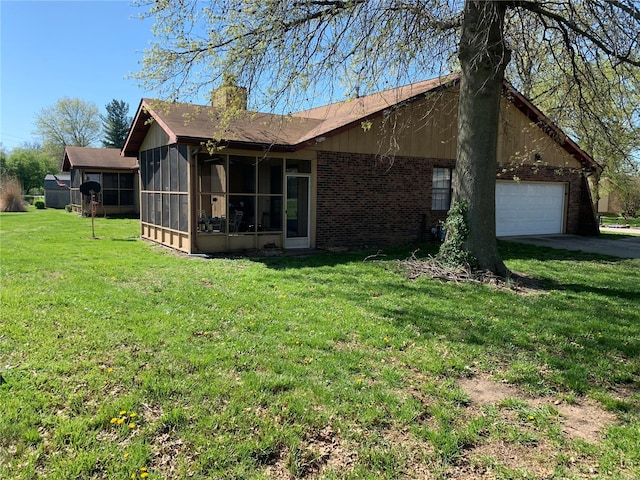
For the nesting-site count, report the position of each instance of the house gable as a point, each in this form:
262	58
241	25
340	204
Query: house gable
427	128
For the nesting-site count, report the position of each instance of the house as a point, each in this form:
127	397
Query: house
374	170
56	190
619	198
116	174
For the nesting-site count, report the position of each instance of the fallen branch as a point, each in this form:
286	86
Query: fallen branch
436	269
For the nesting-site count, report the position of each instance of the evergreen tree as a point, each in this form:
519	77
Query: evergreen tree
116	124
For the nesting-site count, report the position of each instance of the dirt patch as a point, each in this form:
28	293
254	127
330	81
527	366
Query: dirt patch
318	455
480	461
167	449
584	420
534	454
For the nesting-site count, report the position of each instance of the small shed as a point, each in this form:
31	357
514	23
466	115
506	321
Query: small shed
56	190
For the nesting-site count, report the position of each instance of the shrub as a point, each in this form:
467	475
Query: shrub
11	196
39	204
452	252
67	208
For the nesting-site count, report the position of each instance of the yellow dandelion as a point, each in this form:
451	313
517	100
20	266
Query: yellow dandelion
132	425
110	370
143	469
144	475
114	420
531	417
134	475
122	412
120	421
133	414
359	380
126	455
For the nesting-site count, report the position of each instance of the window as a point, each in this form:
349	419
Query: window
441	189
117	189
110	188
239	194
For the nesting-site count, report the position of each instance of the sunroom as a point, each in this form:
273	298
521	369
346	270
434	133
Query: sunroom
240	202
200	199
245	201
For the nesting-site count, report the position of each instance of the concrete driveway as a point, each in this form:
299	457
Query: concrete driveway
628	247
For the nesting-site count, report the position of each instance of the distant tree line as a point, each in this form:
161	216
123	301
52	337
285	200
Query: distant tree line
70	122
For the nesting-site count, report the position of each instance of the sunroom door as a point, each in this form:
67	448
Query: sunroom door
298	197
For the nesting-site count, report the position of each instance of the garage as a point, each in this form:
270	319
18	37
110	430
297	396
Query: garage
529	208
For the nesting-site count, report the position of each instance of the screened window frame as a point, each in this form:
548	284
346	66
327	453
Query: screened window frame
164	186
249	195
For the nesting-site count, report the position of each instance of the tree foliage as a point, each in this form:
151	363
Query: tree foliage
3	161
29	165
295	50
597	105
626	190
115	124
71	121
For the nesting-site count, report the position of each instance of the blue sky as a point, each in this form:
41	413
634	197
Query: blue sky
54	49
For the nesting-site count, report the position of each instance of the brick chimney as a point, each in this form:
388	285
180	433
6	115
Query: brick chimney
229	96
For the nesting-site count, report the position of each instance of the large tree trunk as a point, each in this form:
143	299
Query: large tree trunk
483	57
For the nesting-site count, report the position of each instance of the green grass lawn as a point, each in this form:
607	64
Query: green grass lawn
121	359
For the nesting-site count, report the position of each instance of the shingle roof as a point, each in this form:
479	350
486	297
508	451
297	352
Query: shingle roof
100	158
53	182
187	123
337	116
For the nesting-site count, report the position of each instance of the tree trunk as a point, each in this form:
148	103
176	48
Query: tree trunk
483	57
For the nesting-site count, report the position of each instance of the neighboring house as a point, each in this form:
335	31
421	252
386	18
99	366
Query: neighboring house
617	200
116	174
609	198
56	190
374	170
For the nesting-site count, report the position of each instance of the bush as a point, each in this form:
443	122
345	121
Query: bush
67	208
39	204
452	253
11	196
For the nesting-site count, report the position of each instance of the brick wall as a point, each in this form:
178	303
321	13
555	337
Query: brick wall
366	201
362	200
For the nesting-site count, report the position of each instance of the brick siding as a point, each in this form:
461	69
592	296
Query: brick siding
365	201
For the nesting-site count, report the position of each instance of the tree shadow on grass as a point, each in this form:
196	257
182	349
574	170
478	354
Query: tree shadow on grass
516	252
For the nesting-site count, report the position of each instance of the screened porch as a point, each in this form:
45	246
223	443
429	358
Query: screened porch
245	202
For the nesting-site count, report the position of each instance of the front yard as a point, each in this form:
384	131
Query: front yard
122	359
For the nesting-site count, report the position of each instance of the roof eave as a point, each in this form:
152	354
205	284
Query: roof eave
140	127
534	114
237	144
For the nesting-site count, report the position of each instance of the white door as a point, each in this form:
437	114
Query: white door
529	208
297	216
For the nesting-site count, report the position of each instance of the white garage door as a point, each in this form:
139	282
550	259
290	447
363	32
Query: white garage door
529	208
